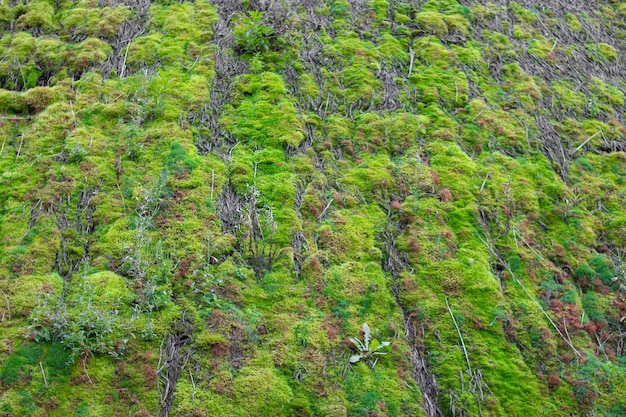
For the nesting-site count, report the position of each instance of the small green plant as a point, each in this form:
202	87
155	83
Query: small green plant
369	348
251	35
147	262
207	280
80	325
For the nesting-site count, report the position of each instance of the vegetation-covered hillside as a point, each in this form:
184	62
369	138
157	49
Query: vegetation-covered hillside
312	208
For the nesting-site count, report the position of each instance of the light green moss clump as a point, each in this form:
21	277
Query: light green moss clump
601	52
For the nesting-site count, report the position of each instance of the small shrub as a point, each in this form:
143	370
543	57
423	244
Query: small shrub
86	321
251	35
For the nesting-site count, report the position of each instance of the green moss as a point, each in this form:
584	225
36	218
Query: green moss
28	291
39	98
91	21
573	22
602	269
432	23
11	102
91	51
178	161
608	93
401	150
272	395
38	18
521	14
262	116
206	340
109	289
601	52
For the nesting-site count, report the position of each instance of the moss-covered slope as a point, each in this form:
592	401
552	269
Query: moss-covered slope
202	204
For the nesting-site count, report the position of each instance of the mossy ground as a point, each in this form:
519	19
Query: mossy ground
256	181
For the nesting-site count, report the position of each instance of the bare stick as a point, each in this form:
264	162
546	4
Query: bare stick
8	304
411	63
15	117
212	183
121	195
325	209
601	345
462	381
479	114
125	56
19	149
43	374
21	72
159	367
85	369
73	114
530	247
484	182
553	46
587	141
566	331
469	367
194	64
193	384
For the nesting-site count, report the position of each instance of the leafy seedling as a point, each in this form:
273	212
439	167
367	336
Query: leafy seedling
368	348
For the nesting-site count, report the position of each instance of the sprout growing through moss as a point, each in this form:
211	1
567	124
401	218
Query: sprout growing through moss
368	349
